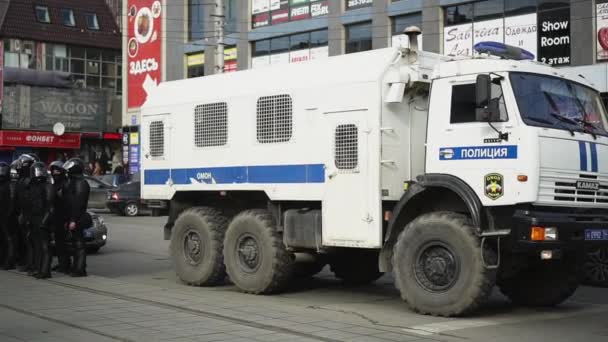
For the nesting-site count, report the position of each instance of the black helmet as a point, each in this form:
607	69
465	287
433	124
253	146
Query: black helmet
56	167
25	161
38	171
5	171
74	166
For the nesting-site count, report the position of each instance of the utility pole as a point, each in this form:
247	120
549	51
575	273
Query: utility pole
219	19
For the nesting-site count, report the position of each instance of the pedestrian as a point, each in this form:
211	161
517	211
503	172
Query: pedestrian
97	170
59	180
22	202
38	217
7	254
76	197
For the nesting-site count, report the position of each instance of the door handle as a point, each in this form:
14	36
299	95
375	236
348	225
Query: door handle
332	174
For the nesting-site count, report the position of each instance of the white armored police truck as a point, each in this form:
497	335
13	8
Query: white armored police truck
456	174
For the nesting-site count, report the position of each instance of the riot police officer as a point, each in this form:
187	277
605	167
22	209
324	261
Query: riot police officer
59	180
22	201
7	252
38	219
76	199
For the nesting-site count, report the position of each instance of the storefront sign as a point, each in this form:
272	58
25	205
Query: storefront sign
39	139
279	16
38	108
299	13
298	2
196	59
230	54
319	8
458	40
134	138
521	31
261	20
602	30
489	31
299	56
352	4
144	33
554	36
260	6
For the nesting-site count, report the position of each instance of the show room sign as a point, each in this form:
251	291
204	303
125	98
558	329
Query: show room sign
554	36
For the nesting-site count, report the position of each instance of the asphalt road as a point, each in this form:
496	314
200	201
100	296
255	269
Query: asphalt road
136	253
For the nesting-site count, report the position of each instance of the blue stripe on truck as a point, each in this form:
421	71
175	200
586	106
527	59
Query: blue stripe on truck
266	174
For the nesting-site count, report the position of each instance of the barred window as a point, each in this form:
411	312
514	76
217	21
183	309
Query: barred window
211	124
274	118
157	138
346	150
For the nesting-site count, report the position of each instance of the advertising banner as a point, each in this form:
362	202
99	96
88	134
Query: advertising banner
299	13
279	58
39	139
602	30
279	16
353	4
144	46
260	20
489	31
554	36
521	31
319	8
458	40
319	53
299	56
260	62
260	6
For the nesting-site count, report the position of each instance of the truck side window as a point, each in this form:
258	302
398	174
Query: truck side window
463	103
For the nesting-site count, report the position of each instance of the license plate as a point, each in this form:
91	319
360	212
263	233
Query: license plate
596	234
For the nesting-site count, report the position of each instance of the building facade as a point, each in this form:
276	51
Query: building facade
260	33
61	67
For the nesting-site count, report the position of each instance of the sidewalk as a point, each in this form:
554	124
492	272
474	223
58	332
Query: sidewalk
102	309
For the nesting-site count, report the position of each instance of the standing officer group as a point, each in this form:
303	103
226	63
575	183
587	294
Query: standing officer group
35	207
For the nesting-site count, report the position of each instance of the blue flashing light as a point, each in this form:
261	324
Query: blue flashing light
503	51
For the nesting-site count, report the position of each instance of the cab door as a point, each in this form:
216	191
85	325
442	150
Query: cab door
459	145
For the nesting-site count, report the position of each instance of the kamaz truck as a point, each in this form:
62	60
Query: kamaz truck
455	174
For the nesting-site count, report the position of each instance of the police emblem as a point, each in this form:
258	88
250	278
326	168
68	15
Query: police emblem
494	186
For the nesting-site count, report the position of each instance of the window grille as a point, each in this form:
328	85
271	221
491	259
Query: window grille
157	138
211	124
346	152
274	119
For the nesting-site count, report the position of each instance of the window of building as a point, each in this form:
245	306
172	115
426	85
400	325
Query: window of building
93	68
544	5
42	14
67	17
461	14
359	37
261	48
157	139
196	19
91	21
488	9
279	45
346	147
464	104
274	119
196	71
319	38
211	124
400	23
515	7
299	41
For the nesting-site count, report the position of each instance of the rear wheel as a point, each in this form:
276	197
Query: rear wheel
256	258
132	209
439	268
196	246
543	285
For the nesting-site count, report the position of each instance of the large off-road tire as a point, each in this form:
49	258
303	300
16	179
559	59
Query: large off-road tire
255	256
439	268
197	241
543	284
356	267
596	268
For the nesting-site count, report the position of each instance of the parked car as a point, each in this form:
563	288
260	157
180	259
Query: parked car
99	189
596	268
95	236
126	200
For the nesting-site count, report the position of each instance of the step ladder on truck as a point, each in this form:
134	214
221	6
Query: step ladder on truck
456	174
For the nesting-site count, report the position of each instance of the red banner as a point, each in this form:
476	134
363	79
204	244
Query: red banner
39	139
144	46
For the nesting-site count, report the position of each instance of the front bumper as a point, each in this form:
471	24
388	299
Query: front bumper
571	228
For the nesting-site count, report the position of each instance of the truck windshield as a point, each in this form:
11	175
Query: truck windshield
547	101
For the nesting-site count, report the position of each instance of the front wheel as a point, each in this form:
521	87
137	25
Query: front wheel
543	284
596	268
439	268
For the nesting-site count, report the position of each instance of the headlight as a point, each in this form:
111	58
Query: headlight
104	237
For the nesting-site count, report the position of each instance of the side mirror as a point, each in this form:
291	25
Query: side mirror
487	109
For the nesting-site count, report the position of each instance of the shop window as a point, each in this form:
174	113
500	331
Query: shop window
274	116
211	124
261	48
196	71
516	7
346	147
461	14
279	45
319	38
67	17
489	9
157	139
359	37
299	41
91	21
42	14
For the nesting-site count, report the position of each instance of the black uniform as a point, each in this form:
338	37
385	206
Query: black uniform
7	248
76	199
59	220
38	219
22	201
